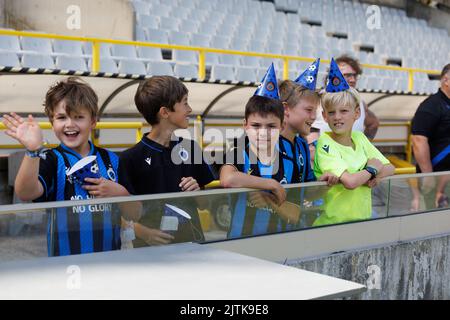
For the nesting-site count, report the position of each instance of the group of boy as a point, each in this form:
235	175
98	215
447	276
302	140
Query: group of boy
273	152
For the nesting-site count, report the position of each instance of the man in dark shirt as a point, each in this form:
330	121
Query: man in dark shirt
431	139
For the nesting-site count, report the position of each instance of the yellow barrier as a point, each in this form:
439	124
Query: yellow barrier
100	125
96	43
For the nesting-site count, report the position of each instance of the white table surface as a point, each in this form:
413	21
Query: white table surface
182	271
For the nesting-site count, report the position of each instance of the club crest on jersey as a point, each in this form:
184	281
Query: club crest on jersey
301	160
111	174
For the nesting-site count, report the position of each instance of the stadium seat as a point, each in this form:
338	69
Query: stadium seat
38	45
32	60
185	71
140	34
171	3
10	43
191	4
157	36
180	38
198	15
159	68
105	49
9	59
212	59
161	10
219	72
256	46
148	21
249	61
230	59
238	44
149	54
200	40
123	51
185	56
246	74
132	67
189	26
71	63
207	29
141	7
169	23
181	13
107	65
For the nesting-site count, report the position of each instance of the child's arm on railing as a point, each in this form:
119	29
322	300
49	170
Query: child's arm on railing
230	177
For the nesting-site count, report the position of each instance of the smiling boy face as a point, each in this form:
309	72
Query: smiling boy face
73	130
302	115
341	110
341	118
179	117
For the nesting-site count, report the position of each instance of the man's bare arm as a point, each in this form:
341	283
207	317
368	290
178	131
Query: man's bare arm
371	123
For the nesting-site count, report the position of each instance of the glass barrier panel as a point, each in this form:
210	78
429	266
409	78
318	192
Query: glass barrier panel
96	225
415	194
23	235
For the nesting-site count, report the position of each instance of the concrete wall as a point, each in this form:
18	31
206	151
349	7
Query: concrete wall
436	18
389	3
98	18
414	270
2	13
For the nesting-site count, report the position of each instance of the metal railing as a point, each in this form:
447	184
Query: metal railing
97	42
138	126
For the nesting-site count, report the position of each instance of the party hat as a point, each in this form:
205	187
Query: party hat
336	81
308	78
269	86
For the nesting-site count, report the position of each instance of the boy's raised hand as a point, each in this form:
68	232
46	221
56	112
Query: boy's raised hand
189	184
102	188
28	132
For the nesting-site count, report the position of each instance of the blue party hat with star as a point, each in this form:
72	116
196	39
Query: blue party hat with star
336	81
269	86
308	78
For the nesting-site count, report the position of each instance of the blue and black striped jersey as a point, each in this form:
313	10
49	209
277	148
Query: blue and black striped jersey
78	229
247	219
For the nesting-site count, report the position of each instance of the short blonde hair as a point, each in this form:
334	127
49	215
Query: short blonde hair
292	93
349	97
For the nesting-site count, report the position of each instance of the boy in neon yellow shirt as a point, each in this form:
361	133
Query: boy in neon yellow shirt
346	154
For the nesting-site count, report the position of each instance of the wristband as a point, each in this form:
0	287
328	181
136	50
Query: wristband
373	172
39	153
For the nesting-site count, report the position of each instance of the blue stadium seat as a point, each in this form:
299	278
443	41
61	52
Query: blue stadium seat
31	60
149	54
159	68
10	43
71	63
185	71
219	72
38	45
9	59
132	67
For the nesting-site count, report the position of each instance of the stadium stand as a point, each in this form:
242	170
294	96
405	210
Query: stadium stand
322	28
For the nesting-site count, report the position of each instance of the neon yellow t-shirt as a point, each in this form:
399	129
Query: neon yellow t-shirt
341	204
